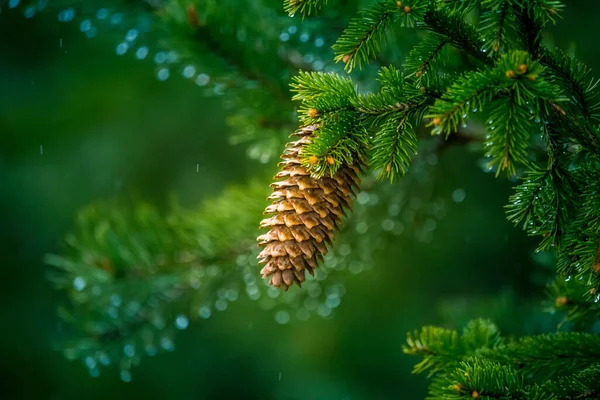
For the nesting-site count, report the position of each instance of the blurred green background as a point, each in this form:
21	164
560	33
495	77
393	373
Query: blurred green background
78	123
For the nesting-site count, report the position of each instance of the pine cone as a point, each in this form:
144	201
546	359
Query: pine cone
306	212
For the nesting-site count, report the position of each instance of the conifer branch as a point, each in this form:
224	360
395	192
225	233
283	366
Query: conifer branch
443	349
425	55
480	378
457	7
304	7
395	143
509	134
462	35
363	38
574	75
572	351
495	23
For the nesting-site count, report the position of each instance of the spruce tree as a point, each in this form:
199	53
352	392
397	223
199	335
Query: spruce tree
480	70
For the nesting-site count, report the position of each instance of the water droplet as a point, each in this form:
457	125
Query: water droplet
167	344
292	29
318	65
66	15
103	358
387	225
308	58
131	35
362	227
189	71
160	57
304	37
284	37
13	3
204	312
129	350
151	350
85	25
90	362
91	32
102	13
94	372
221	305
332	301
115	300
282	317
29	12
458	196
141	53
122	48
231	295
116	18
363	198
163	74
181	322
125	376
202	80
79	283
172	57
319	42
323	310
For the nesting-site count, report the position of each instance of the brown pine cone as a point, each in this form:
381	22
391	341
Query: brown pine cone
306	212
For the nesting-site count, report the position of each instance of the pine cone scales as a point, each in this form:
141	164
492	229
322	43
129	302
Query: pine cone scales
306	211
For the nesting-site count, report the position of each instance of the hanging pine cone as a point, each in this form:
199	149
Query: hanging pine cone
306	212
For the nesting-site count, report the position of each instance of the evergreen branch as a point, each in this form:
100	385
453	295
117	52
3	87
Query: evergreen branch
582	385
550	353
470	93
572	297
442	349
363	38
424	55
508	137
479	378
494	24
574	76
528	206
457	7
529	28
304	7
462	35
322	93
393	146
341	140
549	9
514	73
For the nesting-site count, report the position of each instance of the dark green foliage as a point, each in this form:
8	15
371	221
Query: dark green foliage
362	40
535	109
481	364
304	7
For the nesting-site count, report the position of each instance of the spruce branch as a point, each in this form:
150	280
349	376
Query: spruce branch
304	7
426	54
496	22
574	76
442	349
365	34
509	134
582	385
457	7
550	353
394	146
576	300
462	35
480	379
